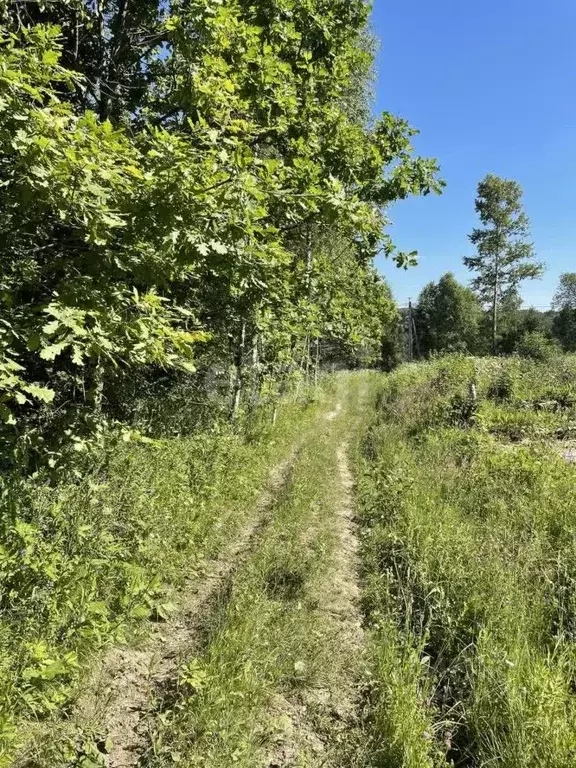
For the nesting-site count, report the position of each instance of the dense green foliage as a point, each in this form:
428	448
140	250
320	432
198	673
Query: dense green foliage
192	195
537	345
447	317
564	326
565	296
84	564
184	184
468	516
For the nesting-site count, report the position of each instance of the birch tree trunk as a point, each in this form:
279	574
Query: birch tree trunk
238	385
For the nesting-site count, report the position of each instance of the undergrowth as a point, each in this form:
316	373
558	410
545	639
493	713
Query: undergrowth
86	564
467	527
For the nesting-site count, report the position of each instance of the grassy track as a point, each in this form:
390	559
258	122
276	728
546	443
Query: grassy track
261	665
277	667
460	651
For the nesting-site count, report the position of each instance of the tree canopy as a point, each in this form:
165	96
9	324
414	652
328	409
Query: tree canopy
446	317
565	296
184	182
564	326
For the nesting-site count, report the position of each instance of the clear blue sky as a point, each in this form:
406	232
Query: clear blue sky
491	87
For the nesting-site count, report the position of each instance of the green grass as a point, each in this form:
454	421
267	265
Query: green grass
84	565
467	518
470	571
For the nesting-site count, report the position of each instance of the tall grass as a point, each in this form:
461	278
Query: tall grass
470	571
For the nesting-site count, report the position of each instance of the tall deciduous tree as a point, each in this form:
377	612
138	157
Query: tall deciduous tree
505	256
564	326
170	176
565	296
447	316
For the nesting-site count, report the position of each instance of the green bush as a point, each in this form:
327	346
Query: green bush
537	346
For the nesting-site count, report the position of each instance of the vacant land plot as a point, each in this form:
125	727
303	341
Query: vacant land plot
385	579
469	519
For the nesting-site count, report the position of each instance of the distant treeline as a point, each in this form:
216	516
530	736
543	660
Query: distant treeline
449	317
487	317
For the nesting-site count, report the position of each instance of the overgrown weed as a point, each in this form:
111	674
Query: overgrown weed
86	564
469	568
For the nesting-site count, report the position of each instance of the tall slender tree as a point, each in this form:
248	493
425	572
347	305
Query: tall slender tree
565	296
504	254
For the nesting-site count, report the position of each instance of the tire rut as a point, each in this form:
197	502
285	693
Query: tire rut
125	692
321	721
